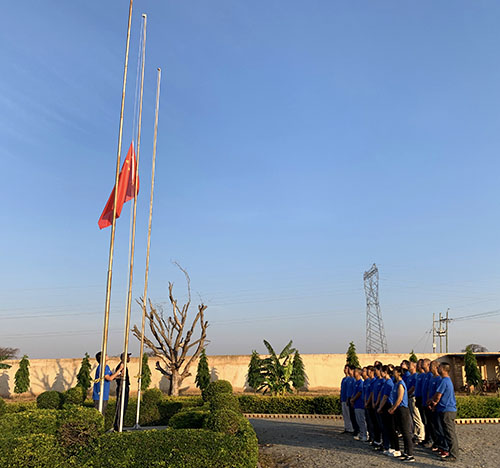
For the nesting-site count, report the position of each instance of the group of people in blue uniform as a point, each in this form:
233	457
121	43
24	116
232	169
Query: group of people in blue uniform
414	401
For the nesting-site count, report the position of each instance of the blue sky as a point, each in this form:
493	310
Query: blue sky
299	142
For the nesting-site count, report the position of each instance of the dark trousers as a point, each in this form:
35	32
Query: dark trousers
355	425
380	426
376	435
116	422
403	416
369	424
389	435
447	419
430	431
440	441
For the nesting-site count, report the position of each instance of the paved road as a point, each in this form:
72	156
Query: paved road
287	443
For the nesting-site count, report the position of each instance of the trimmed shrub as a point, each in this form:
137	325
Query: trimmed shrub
49	400
202	379
29	422
152	396
145	374
30	451
173	448
328	404
478	407
3	407
224	420
22	376
78	427
74	396
219	386
17	407
189	419
224	401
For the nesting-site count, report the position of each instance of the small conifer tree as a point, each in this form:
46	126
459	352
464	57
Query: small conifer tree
83	377
145	374
22	377
352	357
254	376
202	373
472	373
413	357
298	372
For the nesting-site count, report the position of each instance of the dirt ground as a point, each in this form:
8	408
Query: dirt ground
313	443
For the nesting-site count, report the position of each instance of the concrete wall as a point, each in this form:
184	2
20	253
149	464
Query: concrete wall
324	372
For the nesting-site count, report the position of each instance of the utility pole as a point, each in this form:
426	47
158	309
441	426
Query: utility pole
433	333
376	341
440	330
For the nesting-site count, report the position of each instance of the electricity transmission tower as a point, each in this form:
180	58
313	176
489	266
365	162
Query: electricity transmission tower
375	334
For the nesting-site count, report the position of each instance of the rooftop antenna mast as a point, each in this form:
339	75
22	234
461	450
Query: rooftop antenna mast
375	334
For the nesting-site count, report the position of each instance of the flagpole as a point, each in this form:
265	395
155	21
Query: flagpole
131	270
113	225
146	276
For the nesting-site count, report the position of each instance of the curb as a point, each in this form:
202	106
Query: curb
340	418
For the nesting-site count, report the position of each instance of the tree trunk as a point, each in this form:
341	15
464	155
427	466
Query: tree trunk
175	383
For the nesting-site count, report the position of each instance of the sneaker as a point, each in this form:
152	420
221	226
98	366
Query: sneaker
435	449
409	459
388	452
444	454
395	453
356	437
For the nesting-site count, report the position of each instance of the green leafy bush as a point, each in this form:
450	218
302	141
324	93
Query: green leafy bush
22	376
74	396
173	448
223	401
78	427
31	451
189	419
219	386
83	377
17	406
29	422
49	400
153	395
3	407
328	404
145	373
478	407
224	420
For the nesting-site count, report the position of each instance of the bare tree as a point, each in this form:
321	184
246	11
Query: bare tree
173	338
7	353
475	348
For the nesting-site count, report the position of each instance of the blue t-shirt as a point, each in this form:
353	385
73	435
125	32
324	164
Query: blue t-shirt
343	389
447	402
394	394
406	376
95	393
350	386
410	381
425	386
387	390
377	387
358	387
419	380
433	384
367	388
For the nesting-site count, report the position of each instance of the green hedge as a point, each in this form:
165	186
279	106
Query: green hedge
329	404
35	450
478	407
189	419
3	407
50	400
173	448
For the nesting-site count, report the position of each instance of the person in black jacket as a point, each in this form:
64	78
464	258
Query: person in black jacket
116	424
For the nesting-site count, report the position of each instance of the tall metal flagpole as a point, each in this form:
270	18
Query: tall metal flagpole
113	225
145	295
132	243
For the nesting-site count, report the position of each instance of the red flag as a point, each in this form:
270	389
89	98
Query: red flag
126	189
